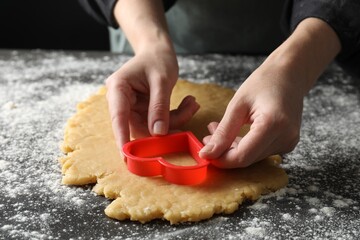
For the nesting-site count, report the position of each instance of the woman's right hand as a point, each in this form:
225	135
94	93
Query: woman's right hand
139	93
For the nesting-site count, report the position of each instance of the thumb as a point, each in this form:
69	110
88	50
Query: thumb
225	132
159	110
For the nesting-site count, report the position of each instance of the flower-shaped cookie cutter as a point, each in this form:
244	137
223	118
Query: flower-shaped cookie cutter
143	158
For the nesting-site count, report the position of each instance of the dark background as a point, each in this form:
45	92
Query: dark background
49	24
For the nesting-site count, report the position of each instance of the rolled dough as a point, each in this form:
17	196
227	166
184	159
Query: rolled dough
91	156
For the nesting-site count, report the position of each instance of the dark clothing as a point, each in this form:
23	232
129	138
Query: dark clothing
231	26
344	17
244	27
102	10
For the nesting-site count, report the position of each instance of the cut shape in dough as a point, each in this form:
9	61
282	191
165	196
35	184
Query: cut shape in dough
92	158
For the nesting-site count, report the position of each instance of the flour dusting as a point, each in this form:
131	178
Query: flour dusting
39	91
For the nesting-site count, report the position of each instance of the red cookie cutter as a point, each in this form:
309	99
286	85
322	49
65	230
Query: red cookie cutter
142	158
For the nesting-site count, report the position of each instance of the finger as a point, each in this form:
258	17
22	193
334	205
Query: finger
159	108
185	111
119	99
206	139
212	127
225	133
138	125
138	117
221	163
254	146
234	144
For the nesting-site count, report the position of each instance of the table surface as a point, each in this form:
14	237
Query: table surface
39	91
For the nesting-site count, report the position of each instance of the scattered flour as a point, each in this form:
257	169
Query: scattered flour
287	216
313	210
313	201
41	93
3	164
313	188
258	206
340	203
45	217
318	218
256	231
6	227
328	211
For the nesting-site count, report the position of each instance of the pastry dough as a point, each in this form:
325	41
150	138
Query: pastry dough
92	157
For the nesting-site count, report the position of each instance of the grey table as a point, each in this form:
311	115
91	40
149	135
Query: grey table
39	91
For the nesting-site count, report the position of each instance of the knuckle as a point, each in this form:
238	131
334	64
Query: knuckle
160	107
115	120
282	121
279	122
284	126
118	77
119	84
221	136
117	90
116	116
109	80
112	81
161	78
220	131
164	79
123	87
268	122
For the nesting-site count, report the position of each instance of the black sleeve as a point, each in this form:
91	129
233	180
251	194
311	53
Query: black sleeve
344	17
102	10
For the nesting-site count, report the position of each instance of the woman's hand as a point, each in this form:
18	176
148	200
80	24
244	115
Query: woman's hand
271	99
139	96
139	92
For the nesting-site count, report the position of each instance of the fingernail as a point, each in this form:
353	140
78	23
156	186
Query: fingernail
159	128
207	148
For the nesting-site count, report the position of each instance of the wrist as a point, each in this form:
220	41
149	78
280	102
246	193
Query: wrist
144	24
159	42
307	52
158	56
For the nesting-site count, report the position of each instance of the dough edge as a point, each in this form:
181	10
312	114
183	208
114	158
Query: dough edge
109	183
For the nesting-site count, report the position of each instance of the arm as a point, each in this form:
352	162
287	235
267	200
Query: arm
139	92
307	52
343	17
271	99
144	23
